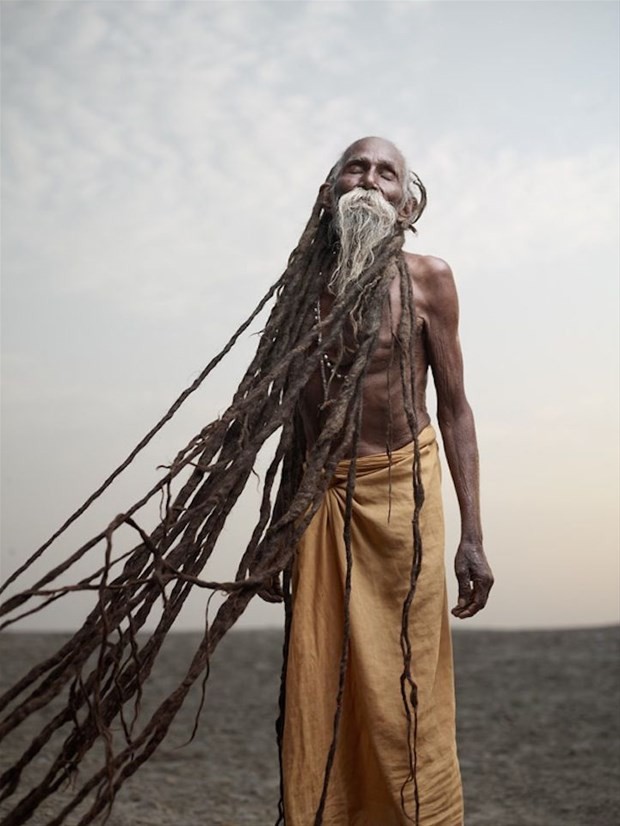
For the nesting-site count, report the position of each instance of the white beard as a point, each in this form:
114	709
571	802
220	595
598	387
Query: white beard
362	219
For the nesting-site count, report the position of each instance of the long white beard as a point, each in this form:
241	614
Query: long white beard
362	219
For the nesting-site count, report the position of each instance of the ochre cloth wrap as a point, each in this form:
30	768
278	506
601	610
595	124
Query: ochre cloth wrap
372	758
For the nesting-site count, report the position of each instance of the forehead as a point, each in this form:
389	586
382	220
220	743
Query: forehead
375	150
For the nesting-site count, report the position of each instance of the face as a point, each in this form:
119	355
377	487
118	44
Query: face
373	163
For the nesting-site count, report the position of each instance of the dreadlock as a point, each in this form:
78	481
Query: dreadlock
166	563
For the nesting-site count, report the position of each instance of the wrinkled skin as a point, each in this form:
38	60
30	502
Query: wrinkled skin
377	164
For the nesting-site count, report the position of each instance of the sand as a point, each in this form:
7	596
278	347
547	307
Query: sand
538	727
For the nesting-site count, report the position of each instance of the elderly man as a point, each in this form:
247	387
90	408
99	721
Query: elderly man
369	731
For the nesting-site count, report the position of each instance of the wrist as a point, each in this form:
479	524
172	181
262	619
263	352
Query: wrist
471	538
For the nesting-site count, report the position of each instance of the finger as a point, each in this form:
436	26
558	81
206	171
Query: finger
270	598
465	593
464	588
461	611
480	595
465	585
270	595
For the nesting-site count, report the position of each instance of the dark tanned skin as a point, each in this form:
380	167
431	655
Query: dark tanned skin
374	163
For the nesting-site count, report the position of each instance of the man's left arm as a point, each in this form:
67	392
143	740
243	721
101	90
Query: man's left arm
458	432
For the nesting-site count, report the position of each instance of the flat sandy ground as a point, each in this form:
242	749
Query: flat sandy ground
539	731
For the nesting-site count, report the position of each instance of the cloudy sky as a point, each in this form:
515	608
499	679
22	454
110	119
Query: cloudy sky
159	162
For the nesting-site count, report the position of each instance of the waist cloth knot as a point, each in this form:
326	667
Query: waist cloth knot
372	756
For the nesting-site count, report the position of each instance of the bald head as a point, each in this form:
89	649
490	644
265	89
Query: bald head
379	148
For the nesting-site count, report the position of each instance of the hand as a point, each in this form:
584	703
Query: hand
272	592
474	577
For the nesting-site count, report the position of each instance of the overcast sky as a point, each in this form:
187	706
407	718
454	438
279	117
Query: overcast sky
159	162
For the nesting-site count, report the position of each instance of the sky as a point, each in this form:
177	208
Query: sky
160	160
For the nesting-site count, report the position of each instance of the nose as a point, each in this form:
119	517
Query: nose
369	179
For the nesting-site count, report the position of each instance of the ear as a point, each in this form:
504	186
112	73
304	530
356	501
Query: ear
325	196
405	213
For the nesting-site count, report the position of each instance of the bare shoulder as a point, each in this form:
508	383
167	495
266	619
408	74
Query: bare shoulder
433	284
429	270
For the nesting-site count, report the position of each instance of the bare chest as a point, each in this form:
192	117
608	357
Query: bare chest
387	351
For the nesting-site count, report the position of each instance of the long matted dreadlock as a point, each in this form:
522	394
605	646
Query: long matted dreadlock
167	562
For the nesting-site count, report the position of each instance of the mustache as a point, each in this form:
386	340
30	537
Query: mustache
361	196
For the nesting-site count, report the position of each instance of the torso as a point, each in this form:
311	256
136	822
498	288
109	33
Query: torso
384	420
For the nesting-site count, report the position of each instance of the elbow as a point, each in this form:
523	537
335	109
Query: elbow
450	416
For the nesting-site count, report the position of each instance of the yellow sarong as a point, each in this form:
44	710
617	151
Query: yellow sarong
372	758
